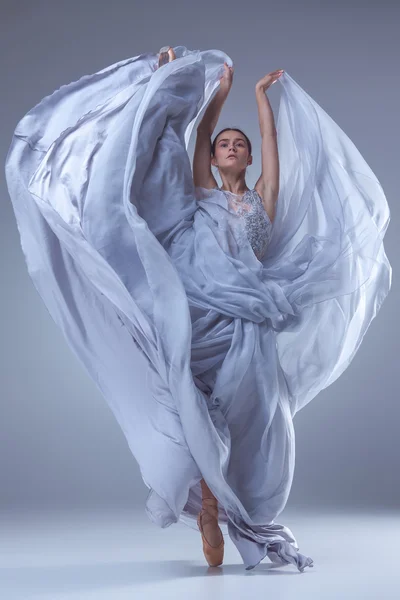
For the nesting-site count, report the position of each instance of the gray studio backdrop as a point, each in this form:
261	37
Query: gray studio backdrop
60	445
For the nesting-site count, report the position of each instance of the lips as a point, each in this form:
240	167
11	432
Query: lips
232	156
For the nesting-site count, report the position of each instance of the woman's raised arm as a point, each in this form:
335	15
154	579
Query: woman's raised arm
268	183
202	174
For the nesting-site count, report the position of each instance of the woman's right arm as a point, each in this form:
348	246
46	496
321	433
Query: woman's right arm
202	174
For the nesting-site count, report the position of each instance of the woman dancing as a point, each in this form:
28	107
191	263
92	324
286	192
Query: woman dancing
202	313
231	154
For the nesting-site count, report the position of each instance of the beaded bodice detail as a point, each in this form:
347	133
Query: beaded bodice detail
257	224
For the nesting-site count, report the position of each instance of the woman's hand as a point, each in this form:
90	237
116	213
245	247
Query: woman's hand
227	78
268	80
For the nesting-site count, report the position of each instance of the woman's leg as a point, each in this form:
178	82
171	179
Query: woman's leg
205	491
209	516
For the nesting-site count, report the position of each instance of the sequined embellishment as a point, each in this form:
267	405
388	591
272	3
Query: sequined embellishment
257	223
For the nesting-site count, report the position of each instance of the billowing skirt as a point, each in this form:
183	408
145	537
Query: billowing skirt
203	353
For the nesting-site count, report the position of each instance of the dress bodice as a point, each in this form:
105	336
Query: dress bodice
257	223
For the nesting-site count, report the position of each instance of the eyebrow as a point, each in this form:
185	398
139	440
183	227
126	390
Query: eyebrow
227	139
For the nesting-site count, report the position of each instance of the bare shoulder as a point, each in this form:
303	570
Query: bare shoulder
202	173
267	197
208	183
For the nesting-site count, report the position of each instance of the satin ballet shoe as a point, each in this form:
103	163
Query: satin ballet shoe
213	554
165	55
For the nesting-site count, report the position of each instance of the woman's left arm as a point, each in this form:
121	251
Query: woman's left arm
268	183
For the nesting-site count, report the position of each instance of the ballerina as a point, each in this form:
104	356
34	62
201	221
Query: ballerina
231	154
201	312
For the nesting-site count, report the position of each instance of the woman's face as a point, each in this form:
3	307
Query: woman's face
231	152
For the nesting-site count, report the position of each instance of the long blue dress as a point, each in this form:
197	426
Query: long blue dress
205	328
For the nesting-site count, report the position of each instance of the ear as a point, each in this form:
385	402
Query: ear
250	160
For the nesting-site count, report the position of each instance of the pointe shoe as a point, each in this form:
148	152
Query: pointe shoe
165	55
213	554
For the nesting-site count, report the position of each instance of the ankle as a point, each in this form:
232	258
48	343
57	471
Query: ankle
209	501
209	506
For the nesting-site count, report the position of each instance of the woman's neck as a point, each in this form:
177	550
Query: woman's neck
238	190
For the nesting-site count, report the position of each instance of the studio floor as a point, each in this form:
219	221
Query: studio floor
97	555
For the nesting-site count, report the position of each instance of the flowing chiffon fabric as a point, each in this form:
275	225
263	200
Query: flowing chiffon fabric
203	352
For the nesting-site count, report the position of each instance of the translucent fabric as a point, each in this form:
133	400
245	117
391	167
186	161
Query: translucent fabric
254	217
203	353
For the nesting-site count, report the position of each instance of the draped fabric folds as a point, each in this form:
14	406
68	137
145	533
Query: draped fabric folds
203	353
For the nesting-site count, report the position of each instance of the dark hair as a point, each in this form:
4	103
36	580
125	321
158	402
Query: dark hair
230	129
